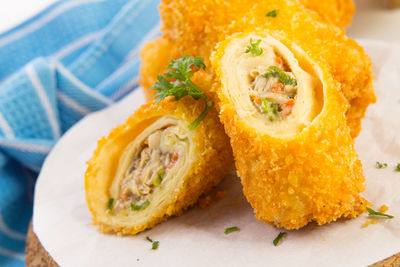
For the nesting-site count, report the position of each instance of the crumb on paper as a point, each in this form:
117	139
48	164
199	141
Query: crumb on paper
220	195
189	224
206	201
324	239
368	222
383	208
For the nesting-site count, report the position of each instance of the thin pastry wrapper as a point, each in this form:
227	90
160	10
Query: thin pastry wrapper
207	163
312	174
195	27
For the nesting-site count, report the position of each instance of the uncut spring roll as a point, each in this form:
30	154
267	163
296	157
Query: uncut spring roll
154	166
284	114
195	27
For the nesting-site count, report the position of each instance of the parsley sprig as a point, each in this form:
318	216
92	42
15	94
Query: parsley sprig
272	13
397	169
254	48
283	77
381	165
278	238
270	108
154	244
181	72
231	229
377	213
110	203
140	207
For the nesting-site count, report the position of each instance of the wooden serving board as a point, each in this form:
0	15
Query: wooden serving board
37	256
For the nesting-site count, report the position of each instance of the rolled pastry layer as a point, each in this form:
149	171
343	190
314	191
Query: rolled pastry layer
284	115
153	166
195	27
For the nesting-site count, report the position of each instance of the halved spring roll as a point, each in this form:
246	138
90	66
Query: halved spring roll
154	166
194	27
285	118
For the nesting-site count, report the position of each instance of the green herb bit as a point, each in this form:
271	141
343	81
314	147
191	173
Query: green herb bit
141	206
272	13
254	48
154	244
270	108
278	238
231	229
181	72
381	165
282	76
377	213
110	203
160	177
397	168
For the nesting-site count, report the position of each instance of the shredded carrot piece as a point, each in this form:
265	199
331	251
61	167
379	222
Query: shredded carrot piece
277	87
174	159
255	99
290	103
279	60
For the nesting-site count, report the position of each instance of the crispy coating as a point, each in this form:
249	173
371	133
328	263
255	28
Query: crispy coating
194	27
313	175
338	12
212	163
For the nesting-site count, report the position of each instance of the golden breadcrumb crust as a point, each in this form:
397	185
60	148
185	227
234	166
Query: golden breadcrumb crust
314	175
213	162
194	27
338	12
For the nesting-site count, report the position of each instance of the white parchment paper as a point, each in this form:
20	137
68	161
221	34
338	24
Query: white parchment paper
63	223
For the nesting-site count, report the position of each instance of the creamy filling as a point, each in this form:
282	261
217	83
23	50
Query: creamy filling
273	90
155	158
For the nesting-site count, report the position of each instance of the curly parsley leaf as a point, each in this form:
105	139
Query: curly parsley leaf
180	71
254	48
278	238
377	213
272	13
283	77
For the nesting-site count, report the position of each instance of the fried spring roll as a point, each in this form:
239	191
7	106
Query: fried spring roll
284	114
153	166
195	27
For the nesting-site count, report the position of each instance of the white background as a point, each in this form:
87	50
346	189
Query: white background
371	20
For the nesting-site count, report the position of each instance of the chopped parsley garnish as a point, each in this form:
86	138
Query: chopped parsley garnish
283	77
154	244
397	168
270	108
141	206
160	176
231	229
278	238
272	13
181	72
381	165
110	203
377	213
254	48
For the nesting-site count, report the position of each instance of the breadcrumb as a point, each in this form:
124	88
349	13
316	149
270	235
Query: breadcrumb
383	208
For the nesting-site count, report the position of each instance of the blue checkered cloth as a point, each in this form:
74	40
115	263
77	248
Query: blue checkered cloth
75	57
